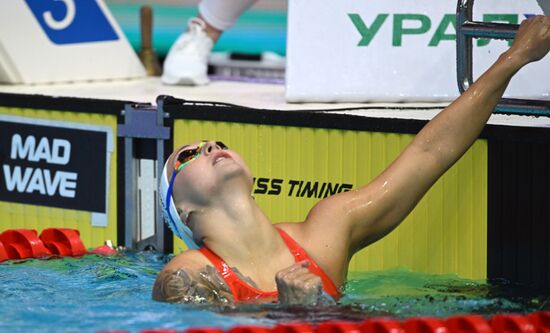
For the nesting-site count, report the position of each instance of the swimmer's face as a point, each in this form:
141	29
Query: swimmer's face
204	170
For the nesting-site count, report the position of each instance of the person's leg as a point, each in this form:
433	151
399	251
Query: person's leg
187	59
211	31
222	14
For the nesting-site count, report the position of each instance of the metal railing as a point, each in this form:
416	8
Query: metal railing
466	30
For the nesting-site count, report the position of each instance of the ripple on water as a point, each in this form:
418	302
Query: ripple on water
95	293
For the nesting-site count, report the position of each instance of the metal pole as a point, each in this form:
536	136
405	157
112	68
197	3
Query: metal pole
129	190
466	29
141	122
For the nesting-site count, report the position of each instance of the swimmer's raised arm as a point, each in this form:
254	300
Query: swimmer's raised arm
371	212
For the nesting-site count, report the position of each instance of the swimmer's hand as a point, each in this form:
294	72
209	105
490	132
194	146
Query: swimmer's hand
298	286
532	40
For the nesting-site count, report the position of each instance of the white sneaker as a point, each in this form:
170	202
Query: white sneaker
187	59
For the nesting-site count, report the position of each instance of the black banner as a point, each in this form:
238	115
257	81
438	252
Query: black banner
53	166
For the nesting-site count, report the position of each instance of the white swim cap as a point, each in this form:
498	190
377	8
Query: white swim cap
170	212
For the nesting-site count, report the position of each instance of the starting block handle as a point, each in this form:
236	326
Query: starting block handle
490	30
466	30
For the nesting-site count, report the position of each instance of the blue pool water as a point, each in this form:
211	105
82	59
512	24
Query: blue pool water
105	293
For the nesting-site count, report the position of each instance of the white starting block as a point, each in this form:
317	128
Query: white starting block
46	41
378	50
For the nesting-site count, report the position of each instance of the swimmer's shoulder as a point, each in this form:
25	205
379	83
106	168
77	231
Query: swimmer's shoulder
189	278
192	260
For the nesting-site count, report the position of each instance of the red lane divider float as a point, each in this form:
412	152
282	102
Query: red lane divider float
425	325
292	328
63	242
3	253
249	329
541	320
512	324
468	324
25	243
538	322
338	327
381	325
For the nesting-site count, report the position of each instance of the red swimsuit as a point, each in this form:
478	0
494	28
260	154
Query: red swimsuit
242	291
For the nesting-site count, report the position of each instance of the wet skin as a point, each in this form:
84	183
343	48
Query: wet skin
214	192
